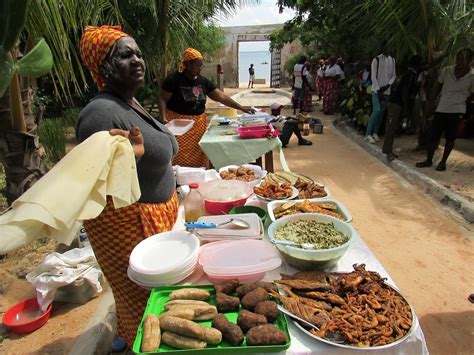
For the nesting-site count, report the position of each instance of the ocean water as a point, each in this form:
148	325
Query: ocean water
262	71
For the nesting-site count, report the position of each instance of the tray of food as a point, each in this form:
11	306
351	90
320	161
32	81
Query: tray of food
329	206
225	318
269	191
307	187
354	310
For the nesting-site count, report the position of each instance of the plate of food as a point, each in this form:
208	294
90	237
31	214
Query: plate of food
307	187
354	310
253	174
329	206
226	317
270	191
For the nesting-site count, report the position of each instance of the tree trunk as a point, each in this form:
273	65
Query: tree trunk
21	154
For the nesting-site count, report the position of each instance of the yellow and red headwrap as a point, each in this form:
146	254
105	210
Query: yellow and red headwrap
96	43
189	54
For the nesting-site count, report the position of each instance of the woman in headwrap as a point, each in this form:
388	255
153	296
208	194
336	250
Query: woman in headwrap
183	96
117	66
332	74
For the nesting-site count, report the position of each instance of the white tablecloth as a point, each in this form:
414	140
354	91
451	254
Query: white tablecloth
301	343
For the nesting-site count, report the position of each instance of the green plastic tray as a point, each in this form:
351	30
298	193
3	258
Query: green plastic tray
156	303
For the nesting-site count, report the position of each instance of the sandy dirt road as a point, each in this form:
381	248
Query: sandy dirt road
428	252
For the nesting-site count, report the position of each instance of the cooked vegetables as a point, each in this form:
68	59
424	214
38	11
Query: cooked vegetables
320	235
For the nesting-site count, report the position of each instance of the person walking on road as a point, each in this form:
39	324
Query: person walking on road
456	84
383	76
401	103
251	76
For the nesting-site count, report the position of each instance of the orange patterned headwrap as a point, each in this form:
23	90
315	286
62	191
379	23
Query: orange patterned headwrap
95	45
189	54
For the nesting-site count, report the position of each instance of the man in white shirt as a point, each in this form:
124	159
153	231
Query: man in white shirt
383	75
299	84
456	84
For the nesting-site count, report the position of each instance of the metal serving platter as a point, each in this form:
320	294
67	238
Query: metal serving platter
414	325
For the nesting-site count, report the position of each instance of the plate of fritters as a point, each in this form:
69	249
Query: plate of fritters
253	174
357	307
307	187
270	191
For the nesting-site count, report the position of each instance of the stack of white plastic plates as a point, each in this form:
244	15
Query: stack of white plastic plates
164	259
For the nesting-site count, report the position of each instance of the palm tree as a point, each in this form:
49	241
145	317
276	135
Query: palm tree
171	24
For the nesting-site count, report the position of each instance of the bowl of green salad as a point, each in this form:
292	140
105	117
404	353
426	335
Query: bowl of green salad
311	241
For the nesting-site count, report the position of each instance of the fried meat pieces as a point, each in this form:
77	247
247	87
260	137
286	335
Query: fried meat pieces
359	305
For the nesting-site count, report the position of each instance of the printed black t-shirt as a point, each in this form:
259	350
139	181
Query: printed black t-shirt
189	96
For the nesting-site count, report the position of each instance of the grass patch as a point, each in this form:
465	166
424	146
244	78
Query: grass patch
52	134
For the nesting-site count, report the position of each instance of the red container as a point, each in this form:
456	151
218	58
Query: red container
254	131
26	316
215	207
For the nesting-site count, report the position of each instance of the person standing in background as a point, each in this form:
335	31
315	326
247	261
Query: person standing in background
308	92
251	76
220	77
456	84
332	75
401	103
383	75
319	79
299	84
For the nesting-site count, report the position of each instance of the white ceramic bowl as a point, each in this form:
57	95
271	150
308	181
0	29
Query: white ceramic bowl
306	259
258	171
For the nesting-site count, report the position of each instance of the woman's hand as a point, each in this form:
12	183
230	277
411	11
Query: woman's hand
136	139
248	110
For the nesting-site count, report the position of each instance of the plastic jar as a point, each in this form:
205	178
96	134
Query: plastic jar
193	204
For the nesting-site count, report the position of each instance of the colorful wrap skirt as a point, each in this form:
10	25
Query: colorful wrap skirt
113	235
189	153
330	95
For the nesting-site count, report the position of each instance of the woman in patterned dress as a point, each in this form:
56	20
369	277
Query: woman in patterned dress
183	96
117	66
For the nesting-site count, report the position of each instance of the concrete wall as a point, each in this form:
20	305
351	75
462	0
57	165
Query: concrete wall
229	56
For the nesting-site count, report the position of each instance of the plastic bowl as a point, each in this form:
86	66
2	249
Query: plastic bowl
26	316
309	259
250	209
220	196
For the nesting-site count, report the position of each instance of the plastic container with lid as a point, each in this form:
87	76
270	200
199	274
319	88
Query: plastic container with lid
193	204
220	196
242	259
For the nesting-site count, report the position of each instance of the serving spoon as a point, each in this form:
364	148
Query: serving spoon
239	223
332	337
292	244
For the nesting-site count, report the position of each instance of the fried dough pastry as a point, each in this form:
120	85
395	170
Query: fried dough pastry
265	335
247	320
251	299
246	288
273	190
227	287
226	303
269	309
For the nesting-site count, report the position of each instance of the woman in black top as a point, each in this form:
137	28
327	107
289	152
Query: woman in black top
183	96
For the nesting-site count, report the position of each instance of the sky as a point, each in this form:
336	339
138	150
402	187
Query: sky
262	14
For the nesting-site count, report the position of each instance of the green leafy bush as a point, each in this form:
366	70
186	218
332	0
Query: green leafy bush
52	133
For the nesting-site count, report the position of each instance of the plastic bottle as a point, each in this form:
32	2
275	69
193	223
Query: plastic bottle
193	204
82	238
